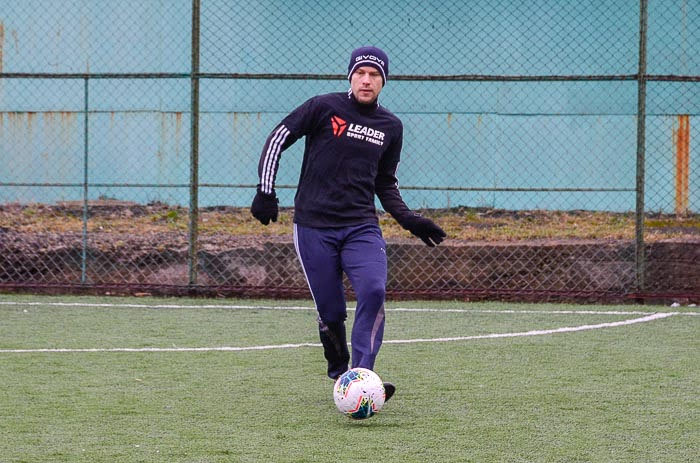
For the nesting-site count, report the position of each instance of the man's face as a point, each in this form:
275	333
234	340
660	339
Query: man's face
366	83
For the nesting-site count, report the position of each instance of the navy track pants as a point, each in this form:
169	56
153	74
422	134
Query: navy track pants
359	252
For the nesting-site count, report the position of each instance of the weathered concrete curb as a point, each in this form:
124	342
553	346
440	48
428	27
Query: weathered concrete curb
564	270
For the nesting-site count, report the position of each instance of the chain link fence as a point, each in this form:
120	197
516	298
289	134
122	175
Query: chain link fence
554	141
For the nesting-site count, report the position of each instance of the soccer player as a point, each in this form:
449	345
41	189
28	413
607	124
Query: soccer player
352	151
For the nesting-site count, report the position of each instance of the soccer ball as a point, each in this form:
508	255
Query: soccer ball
359	393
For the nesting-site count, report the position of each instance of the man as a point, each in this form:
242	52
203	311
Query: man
352	151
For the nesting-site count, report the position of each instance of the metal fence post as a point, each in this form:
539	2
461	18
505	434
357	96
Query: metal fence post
194	147
641	127
83	257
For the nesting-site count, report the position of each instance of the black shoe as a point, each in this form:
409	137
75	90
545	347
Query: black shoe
389	390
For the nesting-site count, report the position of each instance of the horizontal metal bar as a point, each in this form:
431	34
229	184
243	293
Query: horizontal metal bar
671	78
252	186
428	77
449	188
280	291
512	189
107	75
400	77
80	185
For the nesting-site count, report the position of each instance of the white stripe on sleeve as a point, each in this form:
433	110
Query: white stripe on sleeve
267	176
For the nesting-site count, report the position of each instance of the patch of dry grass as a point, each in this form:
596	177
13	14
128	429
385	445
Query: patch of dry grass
470	224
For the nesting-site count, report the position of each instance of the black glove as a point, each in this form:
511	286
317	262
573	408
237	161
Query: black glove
264	207
425	229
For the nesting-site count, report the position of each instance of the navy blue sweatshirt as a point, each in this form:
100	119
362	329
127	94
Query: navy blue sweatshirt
352	152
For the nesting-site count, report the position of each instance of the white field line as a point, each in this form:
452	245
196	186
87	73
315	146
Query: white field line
161	349
570	329
283	307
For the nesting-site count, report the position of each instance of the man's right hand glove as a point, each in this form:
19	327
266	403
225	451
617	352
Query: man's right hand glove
425	229
264	207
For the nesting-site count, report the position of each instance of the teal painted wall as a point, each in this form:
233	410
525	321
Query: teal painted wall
476	135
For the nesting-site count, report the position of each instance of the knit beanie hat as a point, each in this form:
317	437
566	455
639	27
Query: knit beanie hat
369	56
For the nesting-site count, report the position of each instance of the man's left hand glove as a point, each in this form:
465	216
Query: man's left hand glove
264	207
425	229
